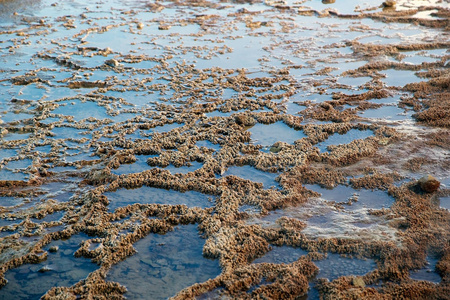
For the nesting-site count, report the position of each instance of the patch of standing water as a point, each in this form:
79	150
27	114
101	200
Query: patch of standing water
68	132
293	108
250	173
365	198
14	117
354	81
8	175
418	57
19	164
428	272
150	195
161	267
336	139
7	222
31	281
379	40
56	216
139	166
9	201
15	136
61	191
281	255
427	14
335	266
399	77
77	109
444	202
208	144
115	38
388	113
80	156
267	135
391	101
7	153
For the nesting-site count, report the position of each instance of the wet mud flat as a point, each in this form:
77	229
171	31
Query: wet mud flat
224	149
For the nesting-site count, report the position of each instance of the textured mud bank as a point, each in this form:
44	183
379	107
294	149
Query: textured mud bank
224	150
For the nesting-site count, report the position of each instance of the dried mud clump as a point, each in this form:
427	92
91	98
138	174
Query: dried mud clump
437	109
375	181
324	176
415	164
434	98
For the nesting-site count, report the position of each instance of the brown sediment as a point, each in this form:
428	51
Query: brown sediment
375	181
437	109
324	176
415	164
439	139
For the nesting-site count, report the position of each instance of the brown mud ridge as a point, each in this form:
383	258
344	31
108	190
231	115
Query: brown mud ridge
378	162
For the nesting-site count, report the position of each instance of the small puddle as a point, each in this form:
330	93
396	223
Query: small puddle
335	266
12	117
7	153
6	201
444	202
389	113
9	175
138	166
77	109
427	14
267	135
19	164
354	81
250	209
56	216
218	113
281	255
150	195
161	267
208	144
294	108
15	136
166	128
30	281
427	273
250	173
399	77
69	132
61	191
80	156
339	139
375	199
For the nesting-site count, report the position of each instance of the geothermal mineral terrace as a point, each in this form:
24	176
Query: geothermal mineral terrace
224	149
